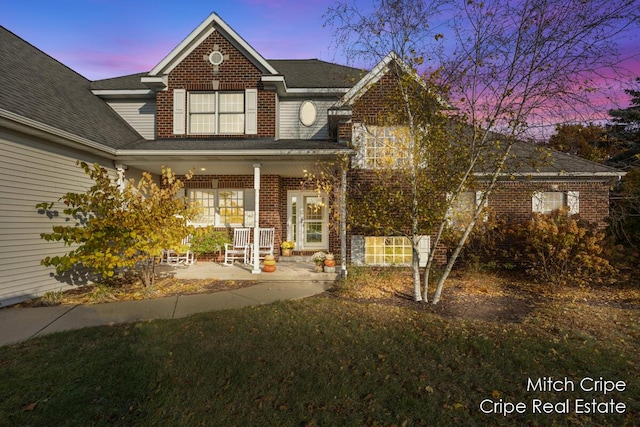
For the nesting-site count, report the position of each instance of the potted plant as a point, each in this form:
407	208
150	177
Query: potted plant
318	258
287	248
206	240
329	264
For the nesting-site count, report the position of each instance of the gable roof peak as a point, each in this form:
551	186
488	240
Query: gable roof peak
211	24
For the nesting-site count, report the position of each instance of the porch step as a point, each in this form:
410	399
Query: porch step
294	258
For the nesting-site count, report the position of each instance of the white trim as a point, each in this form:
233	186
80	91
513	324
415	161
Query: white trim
369	79
123	93
202	31
36	128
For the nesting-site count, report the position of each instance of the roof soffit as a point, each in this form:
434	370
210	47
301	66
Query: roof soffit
198	35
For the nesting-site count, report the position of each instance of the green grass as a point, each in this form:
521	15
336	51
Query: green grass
320	361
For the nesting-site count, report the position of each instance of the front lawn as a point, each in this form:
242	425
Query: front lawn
341	359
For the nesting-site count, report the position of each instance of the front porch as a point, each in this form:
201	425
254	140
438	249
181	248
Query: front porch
294	269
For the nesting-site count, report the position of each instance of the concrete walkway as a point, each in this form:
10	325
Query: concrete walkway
292	280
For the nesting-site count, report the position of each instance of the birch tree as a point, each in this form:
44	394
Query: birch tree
517	64
508	66
414	140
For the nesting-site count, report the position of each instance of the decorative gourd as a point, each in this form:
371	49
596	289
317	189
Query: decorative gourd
330	262
268	268
269	262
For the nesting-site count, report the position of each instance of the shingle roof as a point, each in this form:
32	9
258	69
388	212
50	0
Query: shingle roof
132	81
36	86
298	73
314	73
528	158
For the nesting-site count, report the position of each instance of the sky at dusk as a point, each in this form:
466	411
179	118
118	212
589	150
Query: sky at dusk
109	38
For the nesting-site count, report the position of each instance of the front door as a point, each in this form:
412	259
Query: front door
307	215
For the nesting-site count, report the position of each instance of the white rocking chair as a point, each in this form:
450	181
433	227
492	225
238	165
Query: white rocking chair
265	243
239	249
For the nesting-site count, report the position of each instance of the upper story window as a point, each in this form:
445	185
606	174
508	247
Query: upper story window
380	146
216	113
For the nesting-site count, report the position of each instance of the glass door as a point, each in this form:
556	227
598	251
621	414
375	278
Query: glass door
307	220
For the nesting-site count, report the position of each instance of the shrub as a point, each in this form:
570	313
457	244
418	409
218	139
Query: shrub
558	248
207	240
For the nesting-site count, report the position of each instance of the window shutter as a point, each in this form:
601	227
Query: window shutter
357	250
358	138
250	199
179	111
536	202
485	203
251	112
449	214
424	247
573	202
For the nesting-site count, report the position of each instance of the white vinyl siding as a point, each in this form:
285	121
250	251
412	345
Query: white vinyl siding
291	127
141	115
30	175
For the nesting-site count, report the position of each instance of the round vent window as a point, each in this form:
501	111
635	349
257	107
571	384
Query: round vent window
308	113
216	57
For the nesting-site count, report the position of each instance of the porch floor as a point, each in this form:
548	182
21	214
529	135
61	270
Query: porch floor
290	270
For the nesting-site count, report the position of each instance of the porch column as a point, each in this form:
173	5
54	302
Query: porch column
343	224
256	225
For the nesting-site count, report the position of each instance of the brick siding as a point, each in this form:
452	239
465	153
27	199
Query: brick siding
195	72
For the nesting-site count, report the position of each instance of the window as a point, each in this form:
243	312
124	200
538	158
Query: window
216	112
387	251
462	208
546	202
380	147
231	207
222	208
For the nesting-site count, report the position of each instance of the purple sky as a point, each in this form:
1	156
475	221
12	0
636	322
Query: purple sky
109	38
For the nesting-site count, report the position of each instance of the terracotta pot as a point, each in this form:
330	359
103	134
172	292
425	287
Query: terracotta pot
268	268
287	252
330	262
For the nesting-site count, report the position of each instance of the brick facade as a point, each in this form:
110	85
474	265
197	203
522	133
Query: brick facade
196	73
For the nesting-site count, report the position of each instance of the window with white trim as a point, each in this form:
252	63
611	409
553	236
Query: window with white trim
380	146
216	113
546	202
462	208
220	207
394	250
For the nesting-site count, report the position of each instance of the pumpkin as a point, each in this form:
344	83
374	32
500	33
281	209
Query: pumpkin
268	268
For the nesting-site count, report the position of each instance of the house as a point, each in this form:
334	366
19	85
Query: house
249	127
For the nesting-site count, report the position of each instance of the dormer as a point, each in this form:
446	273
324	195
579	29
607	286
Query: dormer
214	84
